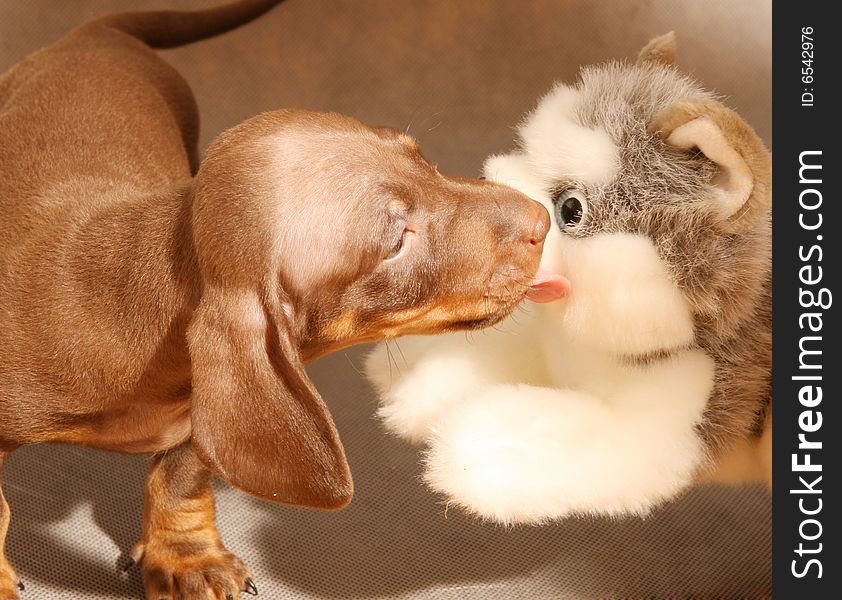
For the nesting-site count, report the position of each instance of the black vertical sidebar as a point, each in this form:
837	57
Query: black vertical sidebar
807	420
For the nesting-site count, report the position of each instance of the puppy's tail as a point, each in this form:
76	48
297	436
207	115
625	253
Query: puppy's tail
171	28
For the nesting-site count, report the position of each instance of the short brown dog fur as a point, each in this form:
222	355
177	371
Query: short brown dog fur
152	304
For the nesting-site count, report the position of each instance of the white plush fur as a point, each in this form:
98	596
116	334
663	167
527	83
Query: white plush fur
590	434
555	143
622	298
735	180
420	378
515	453
412	404
514	170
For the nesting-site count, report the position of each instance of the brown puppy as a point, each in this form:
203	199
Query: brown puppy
147	310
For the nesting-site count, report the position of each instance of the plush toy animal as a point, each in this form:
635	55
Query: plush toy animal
654	371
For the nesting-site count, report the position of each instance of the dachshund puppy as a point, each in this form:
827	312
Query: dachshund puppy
149	306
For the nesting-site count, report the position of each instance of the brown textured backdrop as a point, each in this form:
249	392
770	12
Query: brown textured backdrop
458	74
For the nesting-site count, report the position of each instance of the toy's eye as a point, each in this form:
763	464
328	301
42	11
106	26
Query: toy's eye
570	208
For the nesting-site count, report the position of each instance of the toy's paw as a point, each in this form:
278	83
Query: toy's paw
511	454
419	380
191	565
417	388
523	454
10	583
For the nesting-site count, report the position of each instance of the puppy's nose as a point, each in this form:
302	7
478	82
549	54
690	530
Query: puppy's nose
536	224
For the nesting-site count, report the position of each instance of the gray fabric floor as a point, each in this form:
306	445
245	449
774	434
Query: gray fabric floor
76	513
459	74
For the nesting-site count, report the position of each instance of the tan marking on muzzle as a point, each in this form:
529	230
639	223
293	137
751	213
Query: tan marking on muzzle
342	327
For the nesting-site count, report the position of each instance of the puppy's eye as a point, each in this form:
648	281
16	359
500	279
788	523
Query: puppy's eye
570	208
401	246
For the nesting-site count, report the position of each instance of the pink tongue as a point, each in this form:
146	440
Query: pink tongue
548	286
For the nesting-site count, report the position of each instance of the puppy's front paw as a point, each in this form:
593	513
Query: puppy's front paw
191	565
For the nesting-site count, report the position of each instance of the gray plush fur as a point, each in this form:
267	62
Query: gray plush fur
666	194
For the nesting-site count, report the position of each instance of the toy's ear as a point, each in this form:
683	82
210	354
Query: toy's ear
257	420
743	182
662	49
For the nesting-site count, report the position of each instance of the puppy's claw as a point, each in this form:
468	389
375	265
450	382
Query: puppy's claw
129	564
250	587
21	587
230	596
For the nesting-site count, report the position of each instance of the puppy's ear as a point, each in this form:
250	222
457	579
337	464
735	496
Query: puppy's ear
743	182
257	420
662	49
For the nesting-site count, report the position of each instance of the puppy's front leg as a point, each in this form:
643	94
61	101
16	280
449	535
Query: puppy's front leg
9	582
180	552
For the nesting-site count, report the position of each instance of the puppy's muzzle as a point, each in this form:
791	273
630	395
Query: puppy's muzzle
532	222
